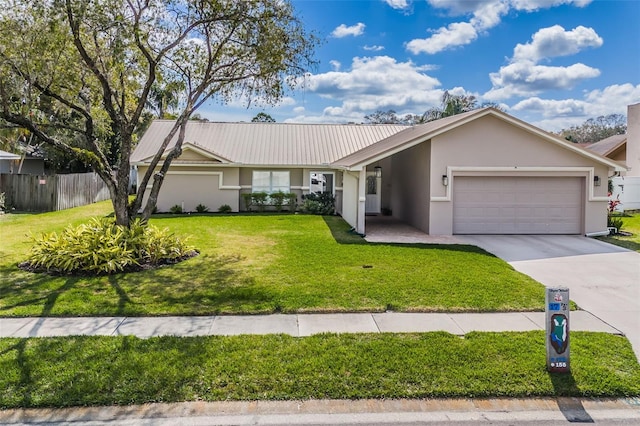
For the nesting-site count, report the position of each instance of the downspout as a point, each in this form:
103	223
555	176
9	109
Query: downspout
597	234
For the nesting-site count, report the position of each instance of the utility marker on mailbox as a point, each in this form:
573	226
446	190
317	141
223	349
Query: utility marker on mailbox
557	329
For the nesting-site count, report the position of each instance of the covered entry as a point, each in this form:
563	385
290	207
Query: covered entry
517	205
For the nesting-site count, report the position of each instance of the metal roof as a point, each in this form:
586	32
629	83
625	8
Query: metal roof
350	146
608	145
4	155
276	144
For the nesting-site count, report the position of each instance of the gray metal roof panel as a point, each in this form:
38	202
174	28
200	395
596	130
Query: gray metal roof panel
269	143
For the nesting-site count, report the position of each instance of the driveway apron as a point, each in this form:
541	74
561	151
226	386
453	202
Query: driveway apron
602	278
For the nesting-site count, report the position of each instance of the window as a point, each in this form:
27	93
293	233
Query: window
320	182
372	185
269	181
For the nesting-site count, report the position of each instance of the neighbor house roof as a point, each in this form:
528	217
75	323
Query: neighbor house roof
608	145
350	146
268	143
4	155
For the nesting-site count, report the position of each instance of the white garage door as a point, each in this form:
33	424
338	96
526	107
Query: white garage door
517	205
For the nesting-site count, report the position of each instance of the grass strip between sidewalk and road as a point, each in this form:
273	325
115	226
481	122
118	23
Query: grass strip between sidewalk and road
265	263
78	371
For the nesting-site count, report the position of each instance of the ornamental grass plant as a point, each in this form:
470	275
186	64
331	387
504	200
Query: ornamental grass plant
102	247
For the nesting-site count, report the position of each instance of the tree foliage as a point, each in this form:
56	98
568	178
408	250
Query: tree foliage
80	74
596	129
450	105
263	117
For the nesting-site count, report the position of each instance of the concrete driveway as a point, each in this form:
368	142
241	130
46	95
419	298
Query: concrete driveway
602	278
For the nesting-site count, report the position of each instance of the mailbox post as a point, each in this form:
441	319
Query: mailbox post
557	329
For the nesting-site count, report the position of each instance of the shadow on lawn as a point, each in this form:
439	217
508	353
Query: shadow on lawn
203	285
17	283
340	231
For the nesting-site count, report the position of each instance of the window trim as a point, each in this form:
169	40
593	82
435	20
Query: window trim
271	186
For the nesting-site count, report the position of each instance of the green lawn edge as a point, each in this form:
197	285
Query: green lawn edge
89	371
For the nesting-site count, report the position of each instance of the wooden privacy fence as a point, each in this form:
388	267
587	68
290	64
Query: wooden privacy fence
56	192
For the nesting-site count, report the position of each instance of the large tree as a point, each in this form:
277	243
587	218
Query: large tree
596	129
79	74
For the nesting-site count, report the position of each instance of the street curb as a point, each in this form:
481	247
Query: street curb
323	412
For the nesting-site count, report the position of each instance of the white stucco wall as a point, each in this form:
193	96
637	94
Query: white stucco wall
350	198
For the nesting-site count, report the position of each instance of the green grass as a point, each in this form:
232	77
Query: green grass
631	223
265	263
75	371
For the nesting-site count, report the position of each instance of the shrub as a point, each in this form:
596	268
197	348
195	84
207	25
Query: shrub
259	199
102	247
319	203
176	209
201	208
2	202
247	201
615	222
277	199
292	200
225	208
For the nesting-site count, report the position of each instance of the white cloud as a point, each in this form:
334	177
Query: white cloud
298	110
560	114
335	65
373	83
398	4
486	14
343	31
455	34
531	5
523	76
374	48
555	41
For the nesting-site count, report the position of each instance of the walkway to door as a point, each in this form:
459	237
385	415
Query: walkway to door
386	229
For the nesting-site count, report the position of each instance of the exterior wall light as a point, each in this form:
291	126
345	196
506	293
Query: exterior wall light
445	180
596	181
378	171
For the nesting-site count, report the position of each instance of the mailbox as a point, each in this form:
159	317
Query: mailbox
557	329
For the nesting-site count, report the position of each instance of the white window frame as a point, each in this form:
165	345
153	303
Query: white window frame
333	185
271	188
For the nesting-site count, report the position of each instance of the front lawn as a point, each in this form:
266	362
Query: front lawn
77	371
261	264
631	223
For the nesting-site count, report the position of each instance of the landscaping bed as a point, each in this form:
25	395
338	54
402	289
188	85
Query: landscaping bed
629	237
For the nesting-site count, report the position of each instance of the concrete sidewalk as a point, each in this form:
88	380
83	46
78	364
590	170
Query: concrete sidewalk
295	325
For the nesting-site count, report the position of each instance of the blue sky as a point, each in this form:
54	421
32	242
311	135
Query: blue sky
553	63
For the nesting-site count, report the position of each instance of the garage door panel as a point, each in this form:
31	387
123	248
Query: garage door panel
517	205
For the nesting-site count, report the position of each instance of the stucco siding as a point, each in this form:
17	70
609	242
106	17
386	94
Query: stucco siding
410	193
189	186
492	147
350	198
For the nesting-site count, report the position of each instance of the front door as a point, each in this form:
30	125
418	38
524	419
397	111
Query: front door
372	204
